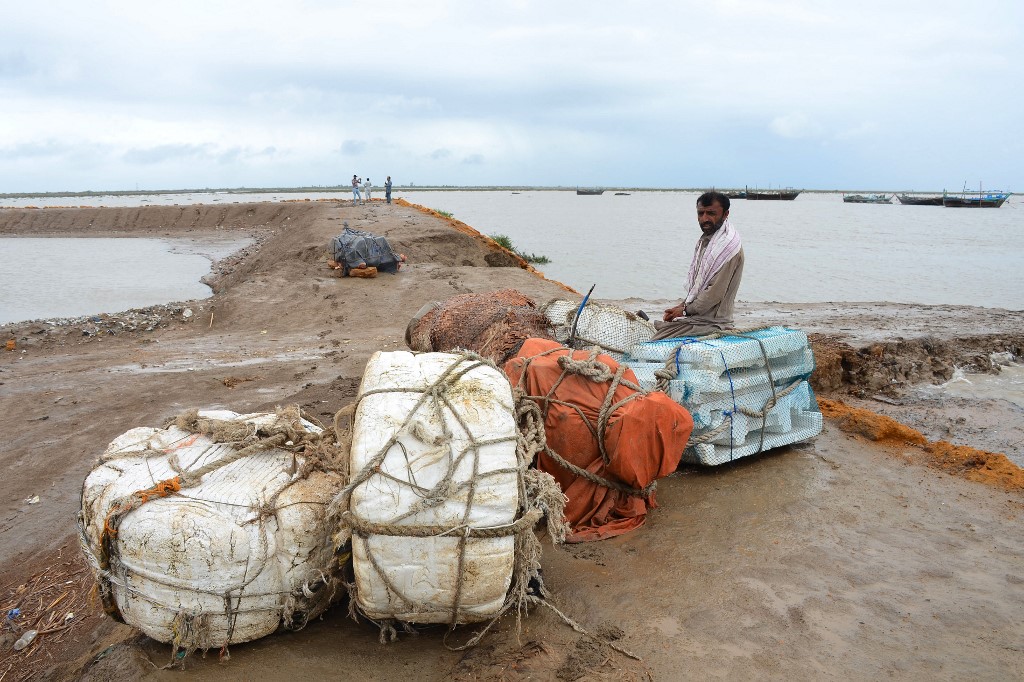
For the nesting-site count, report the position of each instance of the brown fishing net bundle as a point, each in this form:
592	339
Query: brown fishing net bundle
493	324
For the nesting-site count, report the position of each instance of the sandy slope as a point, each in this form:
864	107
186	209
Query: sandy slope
841	558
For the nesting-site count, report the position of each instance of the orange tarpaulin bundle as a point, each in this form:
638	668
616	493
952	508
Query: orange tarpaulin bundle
643	440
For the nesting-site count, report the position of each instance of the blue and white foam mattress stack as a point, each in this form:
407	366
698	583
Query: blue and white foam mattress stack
727	382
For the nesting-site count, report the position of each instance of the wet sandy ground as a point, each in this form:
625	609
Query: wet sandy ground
836	559
833	560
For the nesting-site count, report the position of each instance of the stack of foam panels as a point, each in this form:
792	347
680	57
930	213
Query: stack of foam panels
716	377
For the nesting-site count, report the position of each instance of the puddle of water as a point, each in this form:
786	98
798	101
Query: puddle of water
192	364
667	626
56	277
1007	385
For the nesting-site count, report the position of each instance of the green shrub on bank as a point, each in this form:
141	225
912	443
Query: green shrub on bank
446	214
505	241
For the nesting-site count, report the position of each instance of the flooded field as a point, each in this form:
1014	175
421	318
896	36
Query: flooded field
59	277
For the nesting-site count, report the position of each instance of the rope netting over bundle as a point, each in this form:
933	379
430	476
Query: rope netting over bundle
604	439
672	369
588	324
224	442
539	497
583	325
493	325
592	369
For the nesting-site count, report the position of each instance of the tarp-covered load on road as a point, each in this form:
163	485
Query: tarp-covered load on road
356	249
607	441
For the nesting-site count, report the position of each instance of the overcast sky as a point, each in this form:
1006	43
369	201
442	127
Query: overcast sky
808	94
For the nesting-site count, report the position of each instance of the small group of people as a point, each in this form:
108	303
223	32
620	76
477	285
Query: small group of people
367	190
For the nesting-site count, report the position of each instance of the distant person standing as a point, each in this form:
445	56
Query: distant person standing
367	188
355	191
387	189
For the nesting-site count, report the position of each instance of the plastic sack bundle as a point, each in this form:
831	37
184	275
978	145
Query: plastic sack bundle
493	324
747	392
441	505
214	531
358	249
606	440
611	329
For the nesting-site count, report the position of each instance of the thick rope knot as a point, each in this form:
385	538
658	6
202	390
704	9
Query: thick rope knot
591	368
663	375
421	432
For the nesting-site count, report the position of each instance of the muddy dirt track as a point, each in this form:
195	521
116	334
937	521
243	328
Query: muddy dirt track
844	558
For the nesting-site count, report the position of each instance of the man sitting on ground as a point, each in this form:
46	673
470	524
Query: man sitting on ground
713	278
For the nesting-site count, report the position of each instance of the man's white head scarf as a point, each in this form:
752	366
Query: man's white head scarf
723	245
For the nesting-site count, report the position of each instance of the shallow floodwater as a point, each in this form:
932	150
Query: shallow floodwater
57	277
814	249
810	250
1007	385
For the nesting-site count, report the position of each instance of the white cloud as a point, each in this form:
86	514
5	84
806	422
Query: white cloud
540	92
862	129
795	125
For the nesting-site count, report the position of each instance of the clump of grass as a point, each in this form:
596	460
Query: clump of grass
505	241
534	258
446	214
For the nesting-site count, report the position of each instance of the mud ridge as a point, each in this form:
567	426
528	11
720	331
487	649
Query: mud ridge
890	367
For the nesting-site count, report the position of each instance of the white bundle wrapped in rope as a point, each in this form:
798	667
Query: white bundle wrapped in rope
214	531
440	501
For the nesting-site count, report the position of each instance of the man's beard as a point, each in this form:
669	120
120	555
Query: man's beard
708	227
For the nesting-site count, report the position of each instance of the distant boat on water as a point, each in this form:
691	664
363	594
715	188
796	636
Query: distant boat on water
736	194
588	192
910	200
977	199
867	198
772	194
622	194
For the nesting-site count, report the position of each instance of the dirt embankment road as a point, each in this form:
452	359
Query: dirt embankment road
842	558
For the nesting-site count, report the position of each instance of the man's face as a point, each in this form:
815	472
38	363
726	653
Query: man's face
711	217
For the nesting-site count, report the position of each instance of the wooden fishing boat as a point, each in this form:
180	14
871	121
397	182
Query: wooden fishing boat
588	192
910	200
737	194
867	198
772	194
977	199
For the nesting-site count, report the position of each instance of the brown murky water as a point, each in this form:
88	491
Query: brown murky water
90	276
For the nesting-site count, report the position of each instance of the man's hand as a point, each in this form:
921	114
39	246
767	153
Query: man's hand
674	312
